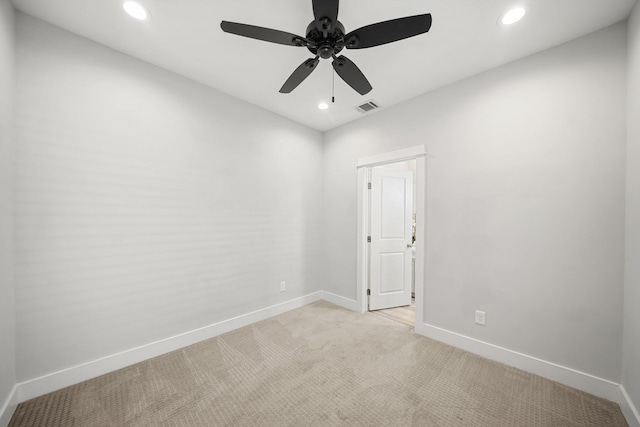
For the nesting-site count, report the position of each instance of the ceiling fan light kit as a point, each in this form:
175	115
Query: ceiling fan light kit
326	37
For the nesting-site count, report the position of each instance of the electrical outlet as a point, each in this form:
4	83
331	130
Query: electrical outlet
283	286
480	317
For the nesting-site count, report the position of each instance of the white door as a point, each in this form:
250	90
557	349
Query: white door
390	250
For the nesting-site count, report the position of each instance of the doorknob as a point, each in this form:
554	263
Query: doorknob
409	245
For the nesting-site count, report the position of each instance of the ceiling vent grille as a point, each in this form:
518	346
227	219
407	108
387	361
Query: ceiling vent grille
368	106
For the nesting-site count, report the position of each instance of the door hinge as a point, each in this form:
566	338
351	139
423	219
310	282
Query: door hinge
369	186
368	239
368	291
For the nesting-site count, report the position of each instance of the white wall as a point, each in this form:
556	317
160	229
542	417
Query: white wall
631	350
525	201
147	205
7	307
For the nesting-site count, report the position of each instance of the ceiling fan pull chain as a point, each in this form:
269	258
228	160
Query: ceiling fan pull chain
333	87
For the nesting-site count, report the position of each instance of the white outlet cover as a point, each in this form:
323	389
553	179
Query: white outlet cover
283	286
480	317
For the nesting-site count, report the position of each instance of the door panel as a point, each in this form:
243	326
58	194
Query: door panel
390	249
391	272
392	221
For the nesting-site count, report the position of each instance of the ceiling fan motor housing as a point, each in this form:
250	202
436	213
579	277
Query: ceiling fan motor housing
325	47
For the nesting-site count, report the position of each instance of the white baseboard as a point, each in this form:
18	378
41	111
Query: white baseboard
349	304
580	380
629	410
9	407
51	382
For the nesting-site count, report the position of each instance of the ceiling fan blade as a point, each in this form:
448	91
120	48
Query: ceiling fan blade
351	74
326	14
261	33
300	73
388	31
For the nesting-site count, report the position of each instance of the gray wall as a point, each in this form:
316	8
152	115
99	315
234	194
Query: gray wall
525	201
147	205
631	350
7	307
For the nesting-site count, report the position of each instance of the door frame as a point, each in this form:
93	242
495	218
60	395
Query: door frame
419	154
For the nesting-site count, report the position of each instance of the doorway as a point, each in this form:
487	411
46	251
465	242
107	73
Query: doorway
393	254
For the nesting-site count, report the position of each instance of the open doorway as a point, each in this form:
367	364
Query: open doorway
391	252
391	233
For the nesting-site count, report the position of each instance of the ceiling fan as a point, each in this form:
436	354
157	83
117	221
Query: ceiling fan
325	38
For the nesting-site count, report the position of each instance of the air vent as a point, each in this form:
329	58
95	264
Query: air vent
370	105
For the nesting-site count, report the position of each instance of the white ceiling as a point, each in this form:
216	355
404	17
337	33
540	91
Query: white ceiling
184	36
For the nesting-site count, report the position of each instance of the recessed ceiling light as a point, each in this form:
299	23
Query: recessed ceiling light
323	106
513	16
136	10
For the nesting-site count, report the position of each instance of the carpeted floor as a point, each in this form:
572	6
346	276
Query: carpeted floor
319	365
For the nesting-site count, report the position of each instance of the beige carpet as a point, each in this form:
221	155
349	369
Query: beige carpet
319	365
